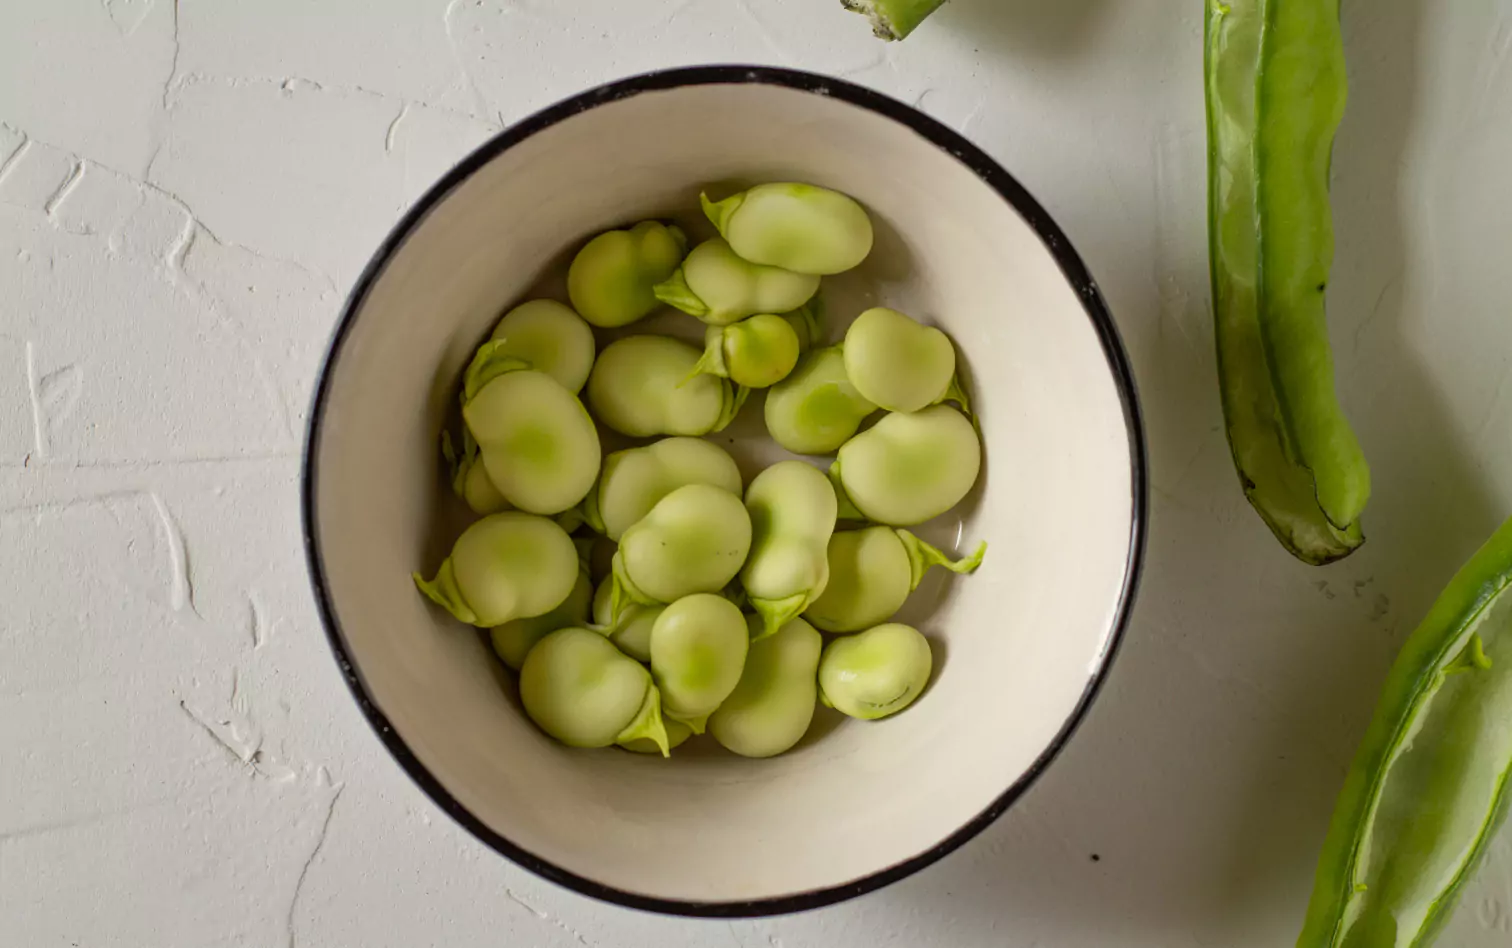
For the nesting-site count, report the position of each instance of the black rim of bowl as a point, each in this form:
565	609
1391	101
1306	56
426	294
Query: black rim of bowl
995	178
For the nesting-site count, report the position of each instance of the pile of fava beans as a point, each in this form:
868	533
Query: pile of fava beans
710	617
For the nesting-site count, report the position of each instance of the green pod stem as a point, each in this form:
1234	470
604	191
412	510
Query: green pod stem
893	19
1275	91
443	591
1432	780
921	556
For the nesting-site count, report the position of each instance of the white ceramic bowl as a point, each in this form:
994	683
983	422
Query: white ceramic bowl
1022	645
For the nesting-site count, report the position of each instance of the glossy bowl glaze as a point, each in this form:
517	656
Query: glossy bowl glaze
1021	647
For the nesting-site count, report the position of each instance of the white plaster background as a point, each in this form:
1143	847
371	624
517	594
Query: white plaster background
187	191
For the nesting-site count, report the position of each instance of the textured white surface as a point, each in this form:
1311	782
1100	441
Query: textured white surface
186	192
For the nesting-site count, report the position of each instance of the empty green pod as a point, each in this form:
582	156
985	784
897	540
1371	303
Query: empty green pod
871	573
610	280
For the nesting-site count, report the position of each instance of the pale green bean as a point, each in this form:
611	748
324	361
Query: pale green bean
632	631
581	690
757	353
537	442
875	673
506	566
513	640
640	387
771	708
900	364
816	409
908	468
469	480
793	509
634	480
698	649
551	338
720	288
693	541
799	227
610	279
871	573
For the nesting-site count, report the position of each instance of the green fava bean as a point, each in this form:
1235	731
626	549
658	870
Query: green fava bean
506	566
816	409
468	478
806	321
771	708
640	387
871	573
698	649
900	364
513	640
720	288
634	480
610	279
677	735
909	468
584	692
793	510
551	337
756	353
537	442
875	673
693	541
632	632
799	227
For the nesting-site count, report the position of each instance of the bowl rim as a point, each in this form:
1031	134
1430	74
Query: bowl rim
995	177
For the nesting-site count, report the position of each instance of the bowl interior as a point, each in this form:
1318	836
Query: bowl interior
1017	644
